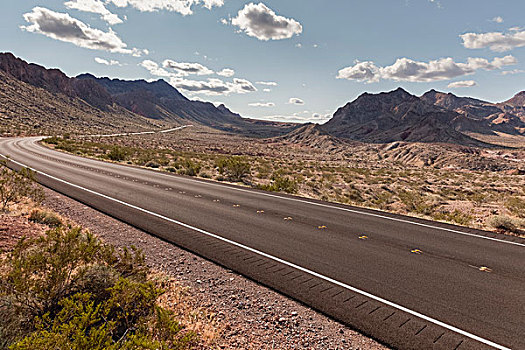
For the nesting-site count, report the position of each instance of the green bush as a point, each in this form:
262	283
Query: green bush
234	168
45	217
504	223
191	168
281	183
118	154
456	216
67	290
17	186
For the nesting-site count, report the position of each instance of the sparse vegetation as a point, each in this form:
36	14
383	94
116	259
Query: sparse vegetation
17	186
45	217
505	223
235	168
68	290
463	197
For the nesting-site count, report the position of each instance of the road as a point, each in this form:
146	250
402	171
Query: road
410	283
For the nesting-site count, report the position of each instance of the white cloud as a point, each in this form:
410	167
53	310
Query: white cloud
262	104
154	69
405	69
297	118
63	27
267	90
266	83
226	72
263	23
496	41
184	68
184	7
295	101
211	3
94	6
107	62
497	19
514	71
462	84
211	87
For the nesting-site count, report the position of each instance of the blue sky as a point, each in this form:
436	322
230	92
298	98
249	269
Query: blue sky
314	55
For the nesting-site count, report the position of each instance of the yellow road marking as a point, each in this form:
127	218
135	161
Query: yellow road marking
416	251
288	218
363	237
322	227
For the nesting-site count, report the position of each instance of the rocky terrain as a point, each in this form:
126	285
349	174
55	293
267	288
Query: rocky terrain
36	100
434	117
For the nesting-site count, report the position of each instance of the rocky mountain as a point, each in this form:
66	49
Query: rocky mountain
34	100
517	101
433	117
154	101
312	135
159	100
396	116
481	118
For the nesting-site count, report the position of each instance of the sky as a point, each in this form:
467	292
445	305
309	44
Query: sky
286	60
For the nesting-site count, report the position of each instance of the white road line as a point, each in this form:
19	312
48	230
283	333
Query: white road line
354	211
313	273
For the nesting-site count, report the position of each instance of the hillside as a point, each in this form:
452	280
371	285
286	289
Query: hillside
159	100
26	109
396	116
41	100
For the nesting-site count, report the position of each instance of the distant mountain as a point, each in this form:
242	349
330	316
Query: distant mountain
395	116
35	100
481	117
517	101
156	100
311	135
159	100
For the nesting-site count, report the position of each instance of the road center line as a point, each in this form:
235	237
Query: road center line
300	268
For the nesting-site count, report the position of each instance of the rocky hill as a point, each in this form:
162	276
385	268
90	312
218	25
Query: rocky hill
159	100
153	103
396	116
435	117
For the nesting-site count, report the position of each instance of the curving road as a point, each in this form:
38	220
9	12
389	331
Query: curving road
410	283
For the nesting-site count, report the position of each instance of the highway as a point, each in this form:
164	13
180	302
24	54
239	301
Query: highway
410	283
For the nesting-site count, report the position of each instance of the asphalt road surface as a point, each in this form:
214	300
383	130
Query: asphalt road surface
410	283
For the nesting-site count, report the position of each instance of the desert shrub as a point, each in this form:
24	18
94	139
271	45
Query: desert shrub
191	168
504	223
17	186
457	216
516	205
45	217
152	164
416	203
234	168
118	153
67	290
281	183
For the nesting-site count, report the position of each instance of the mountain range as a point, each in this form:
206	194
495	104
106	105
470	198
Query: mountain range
48	99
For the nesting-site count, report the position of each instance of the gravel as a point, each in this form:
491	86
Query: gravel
255	317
